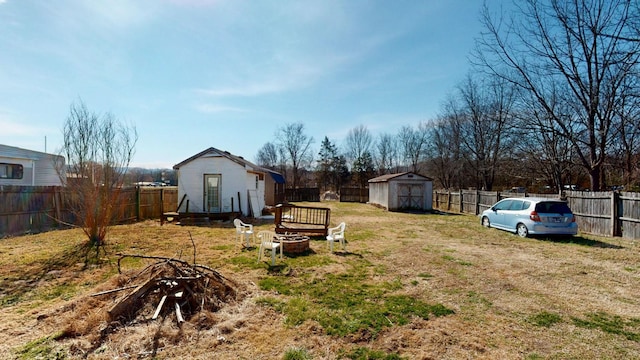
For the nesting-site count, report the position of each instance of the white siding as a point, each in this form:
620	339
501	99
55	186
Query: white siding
235	180
386	193
38	167
379	194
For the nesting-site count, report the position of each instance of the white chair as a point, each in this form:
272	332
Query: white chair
243	230
337	234
266	239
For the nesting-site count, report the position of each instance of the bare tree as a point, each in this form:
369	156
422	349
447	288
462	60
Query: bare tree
98	150
295	145
268	156
386	154
358	149
358	143
584	46
542	144
412	144
483	112
444	153
627	148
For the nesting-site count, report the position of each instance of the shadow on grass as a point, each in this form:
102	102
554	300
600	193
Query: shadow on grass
578	240
16	285
346	253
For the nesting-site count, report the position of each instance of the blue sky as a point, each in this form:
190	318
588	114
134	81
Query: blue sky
192	74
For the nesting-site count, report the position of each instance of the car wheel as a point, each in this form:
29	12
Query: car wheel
485	222
522	230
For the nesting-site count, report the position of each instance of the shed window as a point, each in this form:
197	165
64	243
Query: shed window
11	171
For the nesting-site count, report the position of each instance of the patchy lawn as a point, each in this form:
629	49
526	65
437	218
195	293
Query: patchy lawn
410	286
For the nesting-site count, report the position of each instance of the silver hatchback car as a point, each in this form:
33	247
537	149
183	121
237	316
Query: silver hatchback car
531	216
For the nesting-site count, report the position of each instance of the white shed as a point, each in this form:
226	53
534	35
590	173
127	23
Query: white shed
24	167
402	191
217	182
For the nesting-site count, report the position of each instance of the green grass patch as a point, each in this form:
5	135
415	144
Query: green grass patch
457	261
306	261
544	319
363	353
297	354
611	324
476	298
346	303
42	348
276	283
63	291
246	261
10	299
222	247
269	301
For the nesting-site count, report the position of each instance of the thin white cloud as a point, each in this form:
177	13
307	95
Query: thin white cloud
295	55
17	128
211	109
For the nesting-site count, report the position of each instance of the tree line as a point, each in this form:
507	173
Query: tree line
552	100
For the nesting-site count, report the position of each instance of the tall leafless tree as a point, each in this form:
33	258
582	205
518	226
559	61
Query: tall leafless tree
541	145
627	148
386	153
584	47
444	153
412	144
268	156
358	142
98	150
483	110
357	146
295	145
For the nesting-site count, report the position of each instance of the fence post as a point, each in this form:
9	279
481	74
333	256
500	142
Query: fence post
477	202
56	206
138	202
161	202
461	204
615	224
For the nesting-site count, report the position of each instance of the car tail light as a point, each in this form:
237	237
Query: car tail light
534	216
573	218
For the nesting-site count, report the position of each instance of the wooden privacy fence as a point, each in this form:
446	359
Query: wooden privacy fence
354	194
607	213
32	209
302	194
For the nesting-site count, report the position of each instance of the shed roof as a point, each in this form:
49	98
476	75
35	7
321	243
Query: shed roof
20	153
278	178
237	159
387	177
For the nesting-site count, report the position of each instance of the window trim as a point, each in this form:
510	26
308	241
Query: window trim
12	171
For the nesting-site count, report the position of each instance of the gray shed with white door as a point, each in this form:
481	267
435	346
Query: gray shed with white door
402	191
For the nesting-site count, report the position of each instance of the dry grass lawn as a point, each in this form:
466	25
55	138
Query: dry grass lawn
504	297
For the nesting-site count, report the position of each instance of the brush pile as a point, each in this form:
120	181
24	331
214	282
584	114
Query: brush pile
169	287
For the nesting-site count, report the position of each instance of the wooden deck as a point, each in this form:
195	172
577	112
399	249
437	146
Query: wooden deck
193	218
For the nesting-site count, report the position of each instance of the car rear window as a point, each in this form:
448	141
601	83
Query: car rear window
552	207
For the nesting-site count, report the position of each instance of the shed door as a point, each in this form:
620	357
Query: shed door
410	196
212	193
